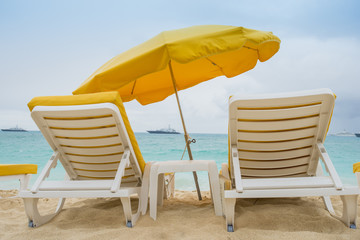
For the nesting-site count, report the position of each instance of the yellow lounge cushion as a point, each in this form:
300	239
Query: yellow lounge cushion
93	98
15	169
356	167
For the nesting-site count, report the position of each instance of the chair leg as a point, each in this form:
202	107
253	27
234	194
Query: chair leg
24	181
153	189
161	186
326	199
169	186
211	191
349	210
215	189
32	212
225	184
130	218
230	213
145	188
328	204
222	193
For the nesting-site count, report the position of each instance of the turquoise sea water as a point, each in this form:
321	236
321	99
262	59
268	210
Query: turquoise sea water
31	147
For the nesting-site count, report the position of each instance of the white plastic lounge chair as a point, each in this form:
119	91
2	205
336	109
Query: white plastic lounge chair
275	142
21	172
92	138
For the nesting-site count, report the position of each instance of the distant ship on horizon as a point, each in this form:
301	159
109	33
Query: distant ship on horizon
344	134
357	134
168	130
14	129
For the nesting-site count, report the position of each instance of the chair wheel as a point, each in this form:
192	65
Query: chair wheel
129	224
230	228
352	226
31	224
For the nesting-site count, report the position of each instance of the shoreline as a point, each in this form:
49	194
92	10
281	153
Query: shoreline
182	217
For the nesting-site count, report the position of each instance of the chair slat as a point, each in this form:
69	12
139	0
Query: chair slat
270	155
277	125
81	123
289	113
277	176
98	174
95	159
85	168
270	145
94	151
274	164
276	136
85	133
274	172
90	142
110	166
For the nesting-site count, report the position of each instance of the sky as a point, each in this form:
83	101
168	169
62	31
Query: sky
49	48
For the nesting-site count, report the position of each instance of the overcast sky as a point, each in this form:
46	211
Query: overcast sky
50	47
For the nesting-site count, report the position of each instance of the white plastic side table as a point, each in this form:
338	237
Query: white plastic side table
158	169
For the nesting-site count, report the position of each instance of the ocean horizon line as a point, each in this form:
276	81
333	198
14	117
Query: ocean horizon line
143	132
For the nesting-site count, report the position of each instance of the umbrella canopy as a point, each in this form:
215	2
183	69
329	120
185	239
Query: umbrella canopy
179	59
196	54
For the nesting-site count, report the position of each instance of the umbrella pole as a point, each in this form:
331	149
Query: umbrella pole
186	135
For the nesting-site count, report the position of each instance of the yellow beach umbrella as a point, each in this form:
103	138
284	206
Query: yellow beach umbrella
179	59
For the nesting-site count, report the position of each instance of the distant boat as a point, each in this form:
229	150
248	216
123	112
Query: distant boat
357	134
344	134
164	131
14	129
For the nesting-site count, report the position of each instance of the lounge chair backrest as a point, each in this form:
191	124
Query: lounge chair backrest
275	135
91	140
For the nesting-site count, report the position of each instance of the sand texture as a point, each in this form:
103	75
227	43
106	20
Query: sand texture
182	217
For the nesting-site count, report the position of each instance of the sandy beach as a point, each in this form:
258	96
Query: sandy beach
182	217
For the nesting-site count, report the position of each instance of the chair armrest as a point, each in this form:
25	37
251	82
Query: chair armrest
46	171
329	166
236	164
124	162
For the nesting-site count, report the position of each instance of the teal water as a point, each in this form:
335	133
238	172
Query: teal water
31	147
